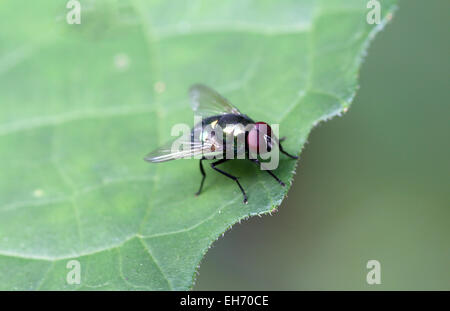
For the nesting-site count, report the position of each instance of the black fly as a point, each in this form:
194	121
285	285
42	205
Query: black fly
223	129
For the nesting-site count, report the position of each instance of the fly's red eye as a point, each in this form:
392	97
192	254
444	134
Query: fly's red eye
264	128
259	138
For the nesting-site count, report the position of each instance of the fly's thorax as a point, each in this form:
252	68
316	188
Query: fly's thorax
235	130
226	132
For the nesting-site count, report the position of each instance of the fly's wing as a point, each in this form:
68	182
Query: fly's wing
184	148
206	102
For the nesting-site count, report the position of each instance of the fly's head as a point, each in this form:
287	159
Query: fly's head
260	139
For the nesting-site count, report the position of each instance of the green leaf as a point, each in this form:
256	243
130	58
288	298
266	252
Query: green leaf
81	105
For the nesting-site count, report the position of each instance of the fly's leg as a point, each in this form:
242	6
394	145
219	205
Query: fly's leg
213	165
203	177
269	172
289	155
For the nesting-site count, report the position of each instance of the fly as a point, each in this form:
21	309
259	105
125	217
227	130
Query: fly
223	130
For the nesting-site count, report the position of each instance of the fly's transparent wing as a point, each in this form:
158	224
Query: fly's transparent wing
185	148
206	102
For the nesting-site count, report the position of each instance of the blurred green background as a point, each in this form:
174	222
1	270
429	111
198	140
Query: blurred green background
373	184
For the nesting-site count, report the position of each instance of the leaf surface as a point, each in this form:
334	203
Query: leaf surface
81	105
